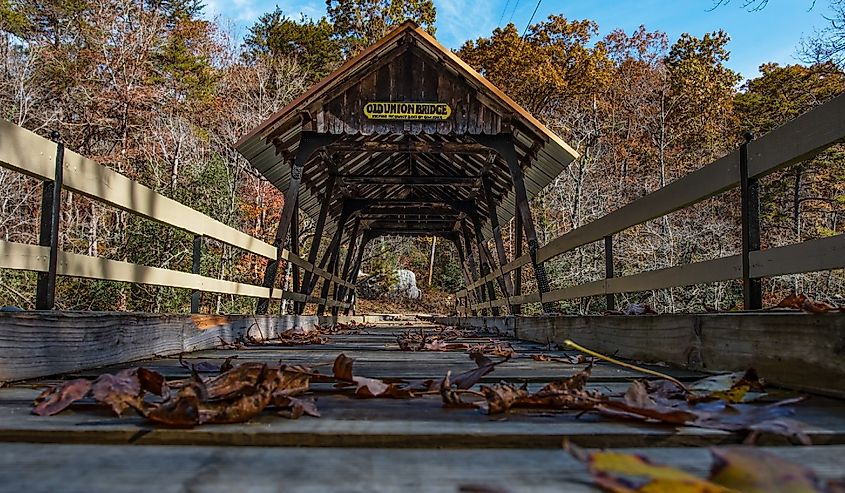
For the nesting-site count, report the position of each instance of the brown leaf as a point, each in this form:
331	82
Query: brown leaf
298	336
234	382
794	301
181	410
501	397
449	396
58	397
439	345
813	306
484	366
295	408
365	387
120	391
342	368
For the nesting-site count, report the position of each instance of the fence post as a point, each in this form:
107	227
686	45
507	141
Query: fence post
752	292
51	207
608	269
196	295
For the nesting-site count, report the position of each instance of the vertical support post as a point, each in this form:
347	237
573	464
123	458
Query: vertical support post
332	253
517	252
486	263
480	294
196	295
309	142
506	282
316	240
456	240
51	208
331	269
366	237
752	292
608	269
340	291
504	145
294	249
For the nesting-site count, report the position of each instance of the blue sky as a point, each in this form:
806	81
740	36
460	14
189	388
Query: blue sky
756	37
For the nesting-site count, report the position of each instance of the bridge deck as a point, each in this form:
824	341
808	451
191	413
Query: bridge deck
362	445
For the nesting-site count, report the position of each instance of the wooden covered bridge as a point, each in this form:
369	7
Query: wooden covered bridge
406	139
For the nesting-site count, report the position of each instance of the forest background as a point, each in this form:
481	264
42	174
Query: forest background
160	93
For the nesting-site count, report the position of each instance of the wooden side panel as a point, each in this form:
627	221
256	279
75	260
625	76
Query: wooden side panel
794	350
37	344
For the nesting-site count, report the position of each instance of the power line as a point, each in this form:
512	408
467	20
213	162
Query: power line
503	13
532	18
515	6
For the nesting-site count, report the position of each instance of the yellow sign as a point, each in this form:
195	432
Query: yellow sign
407	111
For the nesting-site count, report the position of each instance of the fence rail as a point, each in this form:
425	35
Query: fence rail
798	140
30	154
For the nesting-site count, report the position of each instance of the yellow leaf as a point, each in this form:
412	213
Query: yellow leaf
752	470
620	472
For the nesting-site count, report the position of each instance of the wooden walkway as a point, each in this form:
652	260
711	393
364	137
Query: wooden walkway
362	445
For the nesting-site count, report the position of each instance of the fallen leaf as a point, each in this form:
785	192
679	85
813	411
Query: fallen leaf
365	387
501	397
794	301
181	410
294	408
207	366
58	397
733	388
631	473
234	382
484	365
751	470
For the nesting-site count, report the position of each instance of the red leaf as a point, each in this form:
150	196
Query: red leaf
57	398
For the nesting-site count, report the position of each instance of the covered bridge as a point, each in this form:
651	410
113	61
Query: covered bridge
407	139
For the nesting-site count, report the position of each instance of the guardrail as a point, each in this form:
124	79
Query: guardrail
28	153
798	140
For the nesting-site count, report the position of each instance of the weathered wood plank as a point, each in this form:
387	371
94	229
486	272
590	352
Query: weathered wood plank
795	350
37	468
35	344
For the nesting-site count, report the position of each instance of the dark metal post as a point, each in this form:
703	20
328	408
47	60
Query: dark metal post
51	208
319	226
309	143
608	269
480	293
486	263
517	252
196	295
294	249
366	237
504	145
506	283
340	291
749	192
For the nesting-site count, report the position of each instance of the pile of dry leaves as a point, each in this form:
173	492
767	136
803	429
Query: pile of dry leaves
446	339
242	392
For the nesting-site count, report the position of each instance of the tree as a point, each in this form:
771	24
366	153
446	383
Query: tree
828	43
553	63
805	200
311	43
360	23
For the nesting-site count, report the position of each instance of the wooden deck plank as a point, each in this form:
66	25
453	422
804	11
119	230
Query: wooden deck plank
39	468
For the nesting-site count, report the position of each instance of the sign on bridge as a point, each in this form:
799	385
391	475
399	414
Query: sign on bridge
407	111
